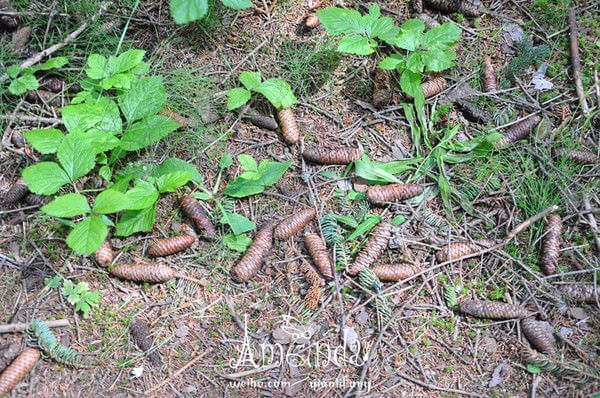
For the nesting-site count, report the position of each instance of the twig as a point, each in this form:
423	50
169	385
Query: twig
177	374
527	223
592	220
68	39
249	372
19	327
576	62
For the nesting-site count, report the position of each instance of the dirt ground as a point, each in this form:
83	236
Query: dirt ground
219	338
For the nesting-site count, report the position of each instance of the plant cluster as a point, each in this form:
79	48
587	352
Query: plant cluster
23	79
185	11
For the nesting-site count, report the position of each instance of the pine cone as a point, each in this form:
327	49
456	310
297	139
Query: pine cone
140	333
551	244
395	273
580	293
583	157
492	310
539	335
293	224
16	192
168	246
518	132
457	250
434	86
443	6
194	211
489	75
473	112
377	243
289	127
18	369
155	273
104	255
311	276
380	195
340	155
250	263
318	252
383	93
312	298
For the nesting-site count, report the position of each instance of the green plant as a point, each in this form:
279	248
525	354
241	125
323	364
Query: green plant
184	11
41	336
276	91
23	79
526	54
116	113
78	295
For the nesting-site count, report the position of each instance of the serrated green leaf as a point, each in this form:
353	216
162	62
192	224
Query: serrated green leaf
170	182
45	178
442	37
125	61
133	221
76	157
237	4
236	97
99	141
120	80
278	92
239	243
358	45
110	201
96	66
87	236
250	80
414	62
102	115
437	60
392	62
411	32
52	283
141	196
175	164
67	206
225	161
254	182
13	71
410	83
22	84
184	11
247	162
51	63
146	97
105	172
44	140
338	20
238	223
147	131
384	29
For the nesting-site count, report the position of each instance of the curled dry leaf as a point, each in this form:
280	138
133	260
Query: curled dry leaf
18	369
143	272
16	192
323	155
583	157
312	298
104	255
539	334
140	333
551	244
293	224
492	310
473	112
250	263
518	132
457	250
168	246
489	75
383	93
377	243
434	86
311	276
580	293
289	126
194	211
318	252
381	194
395	273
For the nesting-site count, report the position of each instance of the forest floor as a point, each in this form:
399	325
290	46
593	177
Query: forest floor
200	330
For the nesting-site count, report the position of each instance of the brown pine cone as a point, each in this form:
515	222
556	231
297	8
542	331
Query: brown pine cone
289	127
377	243
104	255
539	335
194	211
580	293
143	272
140	333
492	310
457	250
489	75
383	93
434	86
473	113
33	199
583	157
470	8
16	192
168	246
551	244
311	276
323	155
312	298
395	273
518	132
318	252
18	369
380	195
260	248
293	224
44	96
444	6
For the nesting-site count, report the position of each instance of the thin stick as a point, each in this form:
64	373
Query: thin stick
527	223
249	372
576	62
177	374
592	221
19	327
68	39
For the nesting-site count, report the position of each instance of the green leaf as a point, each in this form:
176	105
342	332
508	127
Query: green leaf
96	66
367	170
338	20
237	97
239	243
533	369
278	92
52	283
364	227
238	223
105	172
271	172
141	196
385	30
170	182
398	220
125	61
45	178
133	221
146	97
250	80
102	115
44	140
87	236
237	4
99	141
414	62
442	37
438	60
22	84
225	161
13	71
110	201
67	206
147	131
411	32
175	164
184	11
241	188
392	62
410	83
358	45
51	63
202	196
247	162
77	157
120	80
253	182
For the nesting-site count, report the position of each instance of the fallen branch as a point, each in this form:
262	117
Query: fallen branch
176	374
527	223
576	62
19	327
